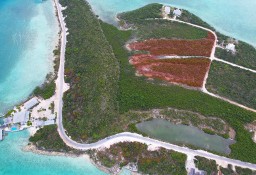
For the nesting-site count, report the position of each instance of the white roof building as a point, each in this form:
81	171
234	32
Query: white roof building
167	9
177	12
231	47
20	117
30	103
7	120
1	134
39	123
49	122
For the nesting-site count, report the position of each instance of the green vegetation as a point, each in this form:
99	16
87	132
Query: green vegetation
211	125
245	55
90	106
191	18
46	91
146	12
135	93
51	107
158	28
48	138
159	162
29	123
9	113
234	83
206	165
228	170
166	29
91	109
245	171
239	171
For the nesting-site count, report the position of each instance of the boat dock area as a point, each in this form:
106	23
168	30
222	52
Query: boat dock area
1	134
29	114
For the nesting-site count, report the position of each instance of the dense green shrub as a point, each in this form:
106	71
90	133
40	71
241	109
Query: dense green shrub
160	162
46	91
146	12
90	106
206	165
233	83
48	138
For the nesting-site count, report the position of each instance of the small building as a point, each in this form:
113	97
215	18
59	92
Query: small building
20	117
7	120
1	121
38	123
177	12
49	122
1	134
31	103
231	47
167	10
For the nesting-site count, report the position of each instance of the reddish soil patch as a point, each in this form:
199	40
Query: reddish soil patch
157	47
190	71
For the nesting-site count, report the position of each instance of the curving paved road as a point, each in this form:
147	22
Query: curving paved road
126	136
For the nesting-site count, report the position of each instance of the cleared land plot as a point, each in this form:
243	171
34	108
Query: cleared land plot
233	83
201	47
190	71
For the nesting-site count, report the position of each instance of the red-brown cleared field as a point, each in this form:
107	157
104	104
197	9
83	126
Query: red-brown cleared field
157	47
189	72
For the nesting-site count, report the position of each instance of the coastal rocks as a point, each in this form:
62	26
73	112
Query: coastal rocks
32	148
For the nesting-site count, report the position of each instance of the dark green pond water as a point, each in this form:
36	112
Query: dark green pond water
182	134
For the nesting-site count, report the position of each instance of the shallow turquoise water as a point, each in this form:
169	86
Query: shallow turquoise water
28	30
236	18
182	134
16	162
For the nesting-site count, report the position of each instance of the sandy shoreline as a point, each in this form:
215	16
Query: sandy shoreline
33	149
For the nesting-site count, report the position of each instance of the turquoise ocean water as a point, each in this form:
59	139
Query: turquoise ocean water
13	161
236	18
27	31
